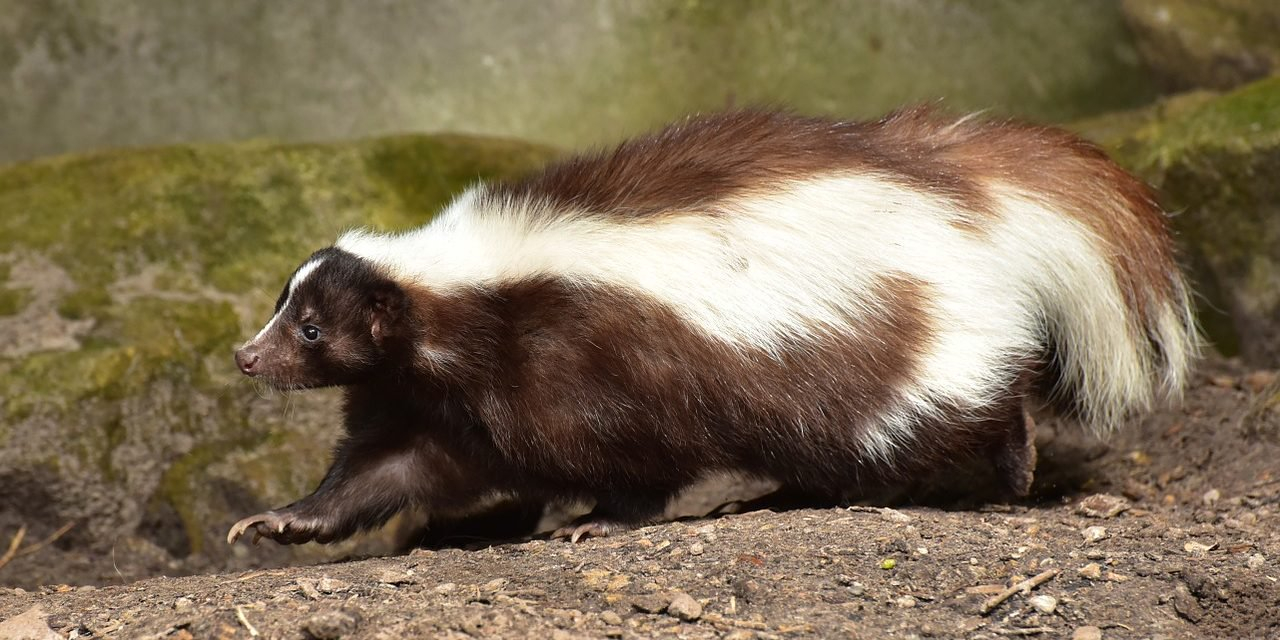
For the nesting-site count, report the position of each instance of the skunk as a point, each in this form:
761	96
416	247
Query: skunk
832	305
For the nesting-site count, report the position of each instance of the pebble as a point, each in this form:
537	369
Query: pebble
1256	561
32	623
1186	605
1196	548
395	577
308	588
651	603
740	634
1258	381
611	618
445	588
494	585
1094	534
906	602
331	625
331	585
1088	632
684	607
183	603
893	515
1044	604
1103	505
1211	497
1091	571
696	549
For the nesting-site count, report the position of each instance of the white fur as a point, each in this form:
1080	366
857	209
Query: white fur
298	276
803	261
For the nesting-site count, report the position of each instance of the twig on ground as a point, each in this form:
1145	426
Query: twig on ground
13	546
253	633
53	537
1025	586
1023	631
16	549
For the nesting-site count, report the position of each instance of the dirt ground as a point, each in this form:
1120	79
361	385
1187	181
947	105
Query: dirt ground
1170	529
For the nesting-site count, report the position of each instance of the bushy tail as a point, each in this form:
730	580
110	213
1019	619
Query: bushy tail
1119	322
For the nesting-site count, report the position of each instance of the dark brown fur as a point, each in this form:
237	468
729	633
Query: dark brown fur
542	390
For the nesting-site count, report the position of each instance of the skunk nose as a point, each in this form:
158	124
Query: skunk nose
246	358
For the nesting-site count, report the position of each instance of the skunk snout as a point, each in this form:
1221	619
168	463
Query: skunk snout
246	358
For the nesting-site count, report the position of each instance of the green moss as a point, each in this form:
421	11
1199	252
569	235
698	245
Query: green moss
1237	122
238	217
132	345
13	301
85	303
185	479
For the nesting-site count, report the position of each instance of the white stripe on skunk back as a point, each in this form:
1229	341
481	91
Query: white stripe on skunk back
799	257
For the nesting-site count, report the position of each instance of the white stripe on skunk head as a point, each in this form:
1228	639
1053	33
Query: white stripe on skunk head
334	323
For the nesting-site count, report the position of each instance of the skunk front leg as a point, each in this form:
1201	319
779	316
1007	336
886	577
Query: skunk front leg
368	483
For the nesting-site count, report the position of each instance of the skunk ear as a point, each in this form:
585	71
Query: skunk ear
387	305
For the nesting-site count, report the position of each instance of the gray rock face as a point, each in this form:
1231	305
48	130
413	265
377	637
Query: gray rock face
76	75
1207	44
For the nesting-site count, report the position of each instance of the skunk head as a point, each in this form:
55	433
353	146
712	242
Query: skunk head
335	323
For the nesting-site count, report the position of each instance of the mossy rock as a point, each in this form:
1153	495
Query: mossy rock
126	280
1215	159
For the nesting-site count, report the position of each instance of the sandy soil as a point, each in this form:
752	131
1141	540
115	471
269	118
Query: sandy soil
1169	529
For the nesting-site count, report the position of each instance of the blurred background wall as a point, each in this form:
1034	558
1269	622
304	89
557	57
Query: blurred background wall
78	75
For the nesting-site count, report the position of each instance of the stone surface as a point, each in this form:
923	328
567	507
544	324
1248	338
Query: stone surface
122	411
76	75
1216	44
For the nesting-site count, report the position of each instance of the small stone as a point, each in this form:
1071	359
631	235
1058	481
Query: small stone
611	618
308	588
1197	548
395	577
650	603
1258	381
1256	561
1211	497
1186	605
1093	534
331	625
1044	604
183	603
893	515
1088	632
888	563
445	588
1223	381
31	624
331	585
741	634
1092	571
684	607
696	549
494	586
906	602
1102	505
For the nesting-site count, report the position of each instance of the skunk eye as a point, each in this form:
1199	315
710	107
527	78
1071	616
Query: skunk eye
311	332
